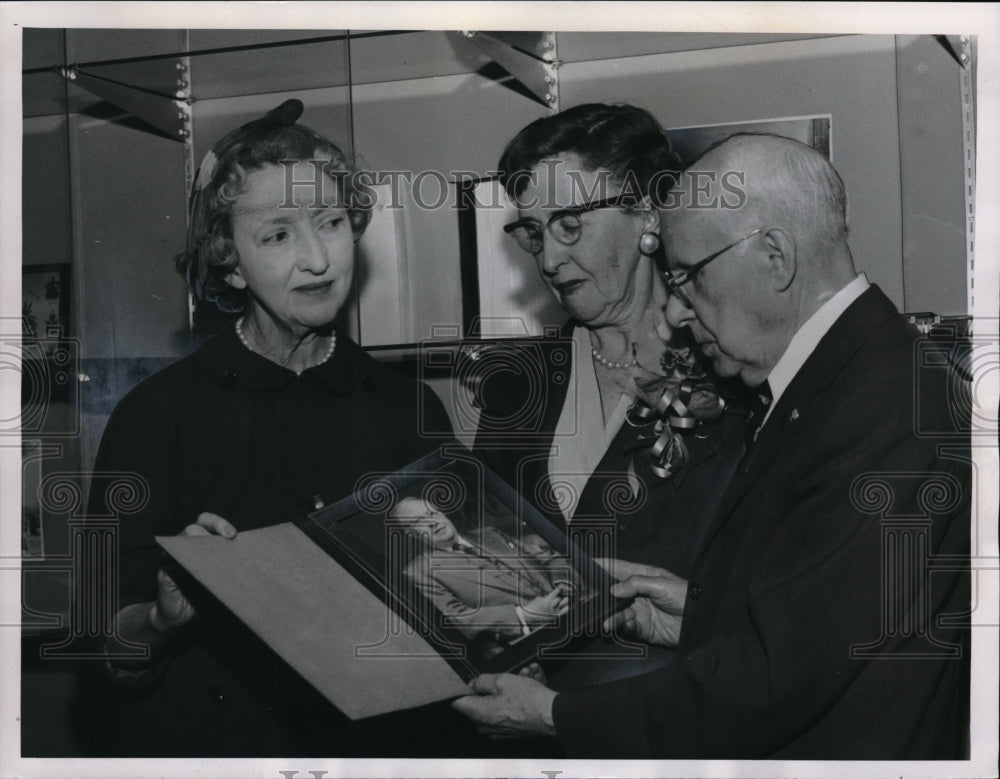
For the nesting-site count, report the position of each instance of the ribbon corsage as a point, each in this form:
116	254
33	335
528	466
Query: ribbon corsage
683	399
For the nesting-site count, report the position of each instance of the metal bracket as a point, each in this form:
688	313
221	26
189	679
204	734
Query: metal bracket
959	46
168	113
530	57
969	167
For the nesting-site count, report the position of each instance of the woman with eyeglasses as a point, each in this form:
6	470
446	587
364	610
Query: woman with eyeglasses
633	443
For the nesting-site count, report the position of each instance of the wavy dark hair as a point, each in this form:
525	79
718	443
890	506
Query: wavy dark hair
210	254
622	138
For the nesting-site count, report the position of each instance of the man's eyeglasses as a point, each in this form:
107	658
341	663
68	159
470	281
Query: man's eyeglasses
677	279
564	225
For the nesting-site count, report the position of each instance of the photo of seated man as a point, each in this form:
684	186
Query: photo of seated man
486	581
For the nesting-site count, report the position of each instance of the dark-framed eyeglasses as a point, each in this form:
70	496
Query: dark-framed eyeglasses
564	225
675	280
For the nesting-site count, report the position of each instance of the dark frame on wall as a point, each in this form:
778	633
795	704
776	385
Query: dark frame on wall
48	356
45	293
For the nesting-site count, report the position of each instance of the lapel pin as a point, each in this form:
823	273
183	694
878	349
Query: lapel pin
794	416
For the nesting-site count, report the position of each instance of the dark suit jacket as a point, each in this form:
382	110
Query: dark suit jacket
478	593
811	628
524	388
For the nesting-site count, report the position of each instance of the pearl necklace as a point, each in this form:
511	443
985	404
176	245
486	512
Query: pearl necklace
615	366
327	356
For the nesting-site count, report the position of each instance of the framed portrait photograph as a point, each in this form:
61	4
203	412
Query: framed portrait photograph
467	563
47	353
45	301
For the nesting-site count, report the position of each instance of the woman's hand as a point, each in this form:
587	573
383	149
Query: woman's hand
545	607
171	609
655	614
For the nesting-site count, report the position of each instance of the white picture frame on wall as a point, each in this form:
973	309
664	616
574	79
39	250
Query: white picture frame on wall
512	300
381	276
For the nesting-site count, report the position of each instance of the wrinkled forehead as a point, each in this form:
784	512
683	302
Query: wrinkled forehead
293	185
706	203
689	233
678	221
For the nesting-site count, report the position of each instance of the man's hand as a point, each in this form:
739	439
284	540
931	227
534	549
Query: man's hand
541	610
172	609
508	706
655	614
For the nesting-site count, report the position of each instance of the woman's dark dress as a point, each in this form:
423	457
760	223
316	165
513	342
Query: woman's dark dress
227	431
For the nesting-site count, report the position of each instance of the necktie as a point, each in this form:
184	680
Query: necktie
760	399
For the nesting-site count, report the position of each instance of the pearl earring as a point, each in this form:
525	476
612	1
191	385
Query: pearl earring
649	243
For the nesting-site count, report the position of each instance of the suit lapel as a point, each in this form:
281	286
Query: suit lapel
871	310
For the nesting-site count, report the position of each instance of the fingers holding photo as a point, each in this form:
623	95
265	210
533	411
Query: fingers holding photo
209	524
508	706
623	569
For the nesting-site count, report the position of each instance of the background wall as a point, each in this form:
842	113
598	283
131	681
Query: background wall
790	78
431	101
107	193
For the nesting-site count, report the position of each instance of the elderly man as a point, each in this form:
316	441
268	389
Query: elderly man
811	627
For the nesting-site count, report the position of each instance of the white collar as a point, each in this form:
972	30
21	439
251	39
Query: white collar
807	338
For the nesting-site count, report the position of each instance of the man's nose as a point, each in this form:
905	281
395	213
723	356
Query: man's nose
678	313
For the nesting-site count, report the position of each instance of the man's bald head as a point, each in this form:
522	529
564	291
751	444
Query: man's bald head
784	183
755	239
423	519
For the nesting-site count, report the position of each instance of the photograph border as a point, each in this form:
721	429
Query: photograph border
879	18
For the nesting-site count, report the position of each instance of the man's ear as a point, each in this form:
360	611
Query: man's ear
781	258
235	279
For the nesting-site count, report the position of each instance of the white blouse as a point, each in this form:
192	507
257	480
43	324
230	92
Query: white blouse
581	435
